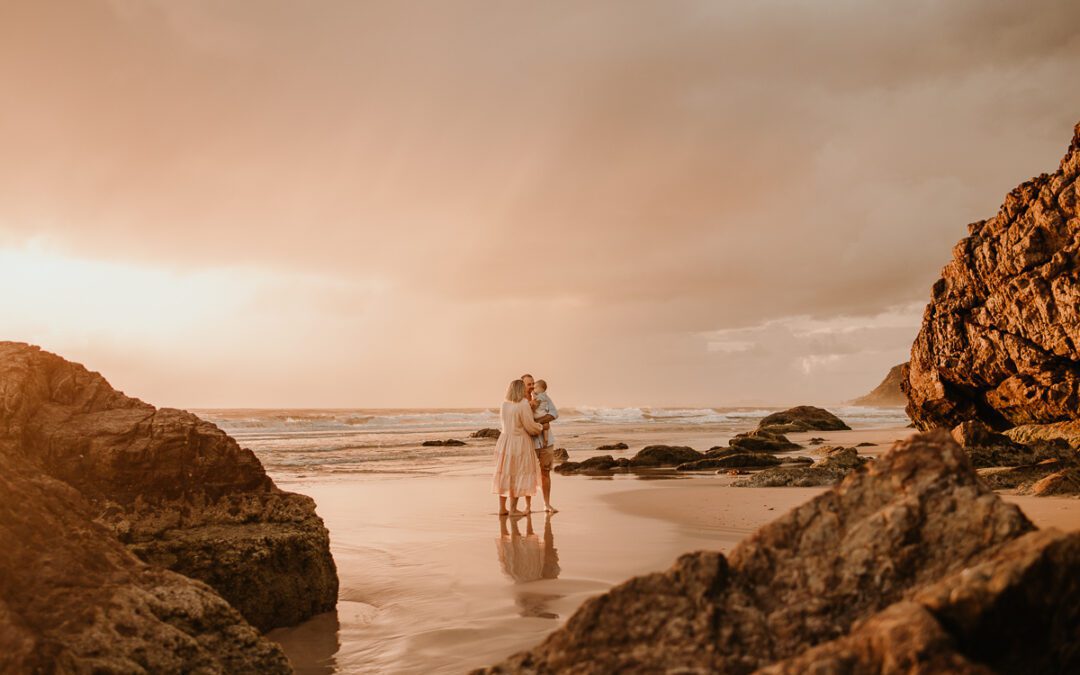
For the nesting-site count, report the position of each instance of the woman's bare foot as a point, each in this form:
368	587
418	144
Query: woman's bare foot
551	509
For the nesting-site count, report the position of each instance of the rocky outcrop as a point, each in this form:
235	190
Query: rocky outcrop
73	599
450	442
886	394
613	446
911	565
739	460
831	469
561	454
1069	432
802	418
1000	339
486	433
176	490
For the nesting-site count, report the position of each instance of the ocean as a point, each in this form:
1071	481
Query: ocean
323	443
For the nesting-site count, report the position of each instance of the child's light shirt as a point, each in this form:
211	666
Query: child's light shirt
546	407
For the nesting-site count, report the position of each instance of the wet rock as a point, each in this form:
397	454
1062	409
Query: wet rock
486	433
664	455
176	490
816	441
762	440
802	418
836	463
738	460
912	565
1000	339
614	446
987	448
561	454
599	464
450	442
865	444
886	394
1069	432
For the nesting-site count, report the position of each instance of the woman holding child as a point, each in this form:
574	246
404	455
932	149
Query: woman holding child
517	469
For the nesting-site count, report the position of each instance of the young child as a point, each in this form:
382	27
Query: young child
544	406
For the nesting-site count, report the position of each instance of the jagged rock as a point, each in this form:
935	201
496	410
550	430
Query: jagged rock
448	442
740	460
1032	433
912	565
664	455
865	444
888	393
176	490
486	433
802	418
988	448
836	463
762	440
614	446
73	599
1000	339
816	440
561	454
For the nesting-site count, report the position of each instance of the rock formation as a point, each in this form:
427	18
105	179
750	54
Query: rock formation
450	442
888	393
1000	339
613	446
831	469
176	490
911	565
802	418
486	433
762	440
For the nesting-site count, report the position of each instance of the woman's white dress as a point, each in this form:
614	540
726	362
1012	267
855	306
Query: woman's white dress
517	469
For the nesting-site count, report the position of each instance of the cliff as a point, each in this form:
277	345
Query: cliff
888	393
1000	339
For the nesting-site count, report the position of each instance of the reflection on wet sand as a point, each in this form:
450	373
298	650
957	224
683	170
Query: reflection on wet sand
526	559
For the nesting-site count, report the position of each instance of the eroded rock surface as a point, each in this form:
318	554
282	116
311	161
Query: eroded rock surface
1000	339
911	565
74	599
175	489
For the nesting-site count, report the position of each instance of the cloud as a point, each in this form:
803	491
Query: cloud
628	176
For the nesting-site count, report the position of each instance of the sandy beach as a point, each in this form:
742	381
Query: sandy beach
431	582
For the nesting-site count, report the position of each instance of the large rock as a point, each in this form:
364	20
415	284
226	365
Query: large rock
912	565
664	455
886	394
1000	339
73	599
762	440
739	460
802	418
175	489
835	464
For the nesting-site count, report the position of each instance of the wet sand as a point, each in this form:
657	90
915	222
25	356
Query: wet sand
433	582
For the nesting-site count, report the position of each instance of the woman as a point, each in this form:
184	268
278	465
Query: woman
517	470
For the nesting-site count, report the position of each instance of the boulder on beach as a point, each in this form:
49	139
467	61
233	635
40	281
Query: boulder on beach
836	463
613	446
175	490
738	460
664	455
912	565
802	418
486	433
450	442
888	393
100	493
1000	339
594	465
762	440
561	454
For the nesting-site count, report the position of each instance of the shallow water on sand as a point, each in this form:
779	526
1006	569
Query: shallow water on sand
432	580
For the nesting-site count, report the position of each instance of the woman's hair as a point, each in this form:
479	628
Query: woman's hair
516	391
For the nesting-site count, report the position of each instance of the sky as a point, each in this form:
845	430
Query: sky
267	203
